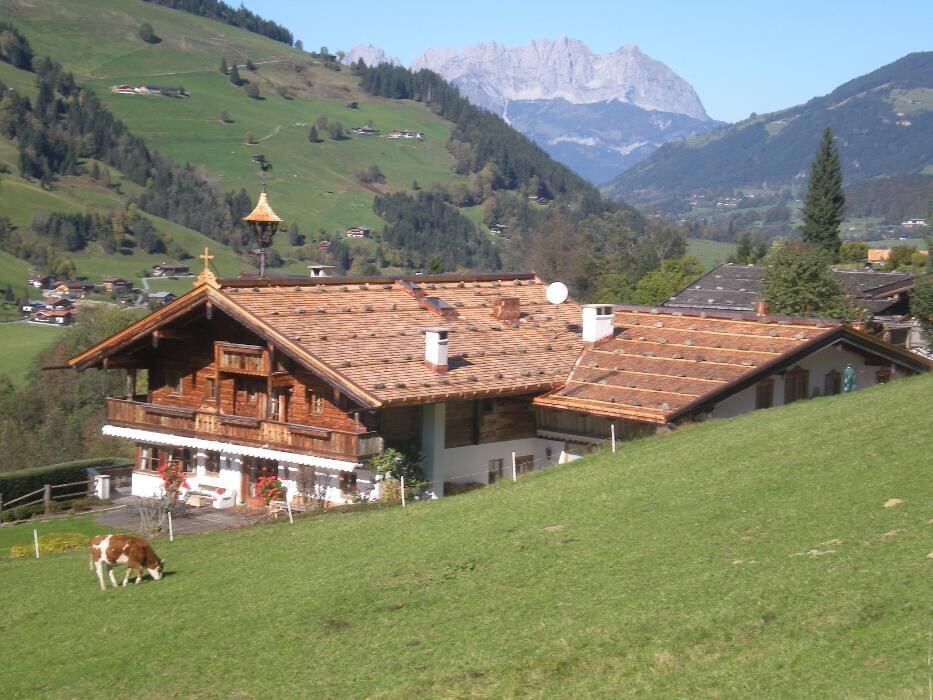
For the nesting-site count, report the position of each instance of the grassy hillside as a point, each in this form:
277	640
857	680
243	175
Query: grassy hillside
22	343
881	121
753	557
311	184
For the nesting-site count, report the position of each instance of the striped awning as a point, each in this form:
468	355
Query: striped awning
231	448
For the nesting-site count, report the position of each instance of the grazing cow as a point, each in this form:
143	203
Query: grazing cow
113	550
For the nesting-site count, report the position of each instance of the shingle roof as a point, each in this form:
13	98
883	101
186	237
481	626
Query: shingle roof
662	360
372	333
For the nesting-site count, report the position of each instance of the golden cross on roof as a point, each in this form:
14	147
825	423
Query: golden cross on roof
206	257
206	275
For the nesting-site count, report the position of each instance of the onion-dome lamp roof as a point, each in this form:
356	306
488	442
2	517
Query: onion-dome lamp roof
263	213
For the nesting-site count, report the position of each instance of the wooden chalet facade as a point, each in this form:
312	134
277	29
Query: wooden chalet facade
306	379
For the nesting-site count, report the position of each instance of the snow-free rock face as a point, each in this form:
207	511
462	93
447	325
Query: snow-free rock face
492	75
371	55
599	114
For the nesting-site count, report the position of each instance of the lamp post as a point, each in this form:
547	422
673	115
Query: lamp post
263	222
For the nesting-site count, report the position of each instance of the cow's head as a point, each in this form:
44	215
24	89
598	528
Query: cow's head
156	573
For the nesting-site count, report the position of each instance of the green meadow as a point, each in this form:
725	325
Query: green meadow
21	344
710	253
781	554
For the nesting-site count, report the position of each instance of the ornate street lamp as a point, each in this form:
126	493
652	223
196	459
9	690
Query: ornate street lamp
263	222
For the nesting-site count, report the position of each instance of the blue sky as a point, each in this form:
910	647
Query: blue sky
740	57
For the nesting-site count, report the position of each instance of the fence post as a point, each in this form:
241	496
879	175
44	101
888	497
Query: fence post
403	490
171	528
288	507
612	428
47	497
35	541
514	475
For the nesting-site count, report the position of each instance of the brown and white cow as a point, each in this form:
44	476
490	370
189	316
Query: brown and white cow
135	552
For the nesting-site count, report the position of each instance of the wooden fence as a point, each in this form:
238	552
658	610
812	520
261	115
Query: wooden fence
47	497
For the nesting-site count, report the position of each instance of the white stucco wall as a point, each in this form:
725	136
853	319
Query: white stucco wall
470	463
834	357
146	485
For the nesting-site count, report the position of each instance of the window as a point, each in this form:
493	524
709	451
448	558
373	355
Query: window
184	456
212	463
883	375
173	380
832	383
796	383
211	388
495	470
315	402
149	458
278	407
764	394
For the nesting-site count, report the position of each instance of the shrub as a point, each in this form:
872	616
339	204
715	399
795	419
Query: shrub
21	513
147	34
7	516
19	483
56	506
252	90
51	543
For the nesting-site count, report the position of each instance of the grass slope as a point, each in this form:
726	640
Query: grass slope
710	253
312	184
22	343
743	558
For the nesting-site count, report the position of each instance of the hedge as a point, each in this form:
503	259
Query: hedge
19	483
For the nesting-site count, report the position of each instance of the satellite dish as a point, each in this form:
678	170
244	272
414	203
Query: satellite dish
556	292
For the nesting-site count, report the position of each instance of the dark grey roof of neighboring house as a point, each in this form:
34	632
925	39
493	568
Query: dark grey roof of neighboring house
732	287
737	287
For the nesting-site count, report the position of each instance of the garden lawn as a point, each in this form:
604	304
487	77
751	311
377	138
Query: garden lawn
745	558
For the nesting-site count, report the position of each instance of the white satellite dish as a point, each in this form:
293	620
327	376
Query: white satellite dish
557	292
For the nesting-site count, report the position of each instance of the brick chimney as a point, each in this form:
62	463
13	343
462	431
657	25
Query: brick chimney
506	309
597	321
762	307
435	349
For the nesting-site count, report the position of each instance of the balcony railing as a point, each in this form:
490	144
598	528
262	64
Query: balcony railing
289	437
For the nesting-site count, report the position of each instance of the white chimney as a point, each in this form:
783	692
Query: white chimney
435	349
597	322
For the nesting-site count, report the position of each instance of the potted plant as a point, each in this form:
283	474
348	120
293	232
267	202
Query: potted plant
270	489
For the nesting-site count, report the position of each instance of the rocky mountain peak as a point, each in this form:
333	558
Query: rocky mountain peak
371	55
493	75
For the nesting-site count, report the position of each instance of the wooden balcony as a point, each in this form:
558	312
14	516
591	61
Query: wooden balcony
288	437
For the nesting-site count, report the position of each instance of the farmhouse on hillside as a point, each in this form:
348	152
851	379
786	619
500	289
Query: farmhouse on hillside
358	232
170	270
306	380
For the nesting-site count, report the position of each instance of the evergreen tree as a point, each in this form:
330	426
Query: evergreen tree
223	65
235	78
312	135
822	210
798	282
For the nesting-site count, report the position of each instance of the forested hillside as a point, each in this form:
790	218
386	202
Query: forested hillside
882	122
215	95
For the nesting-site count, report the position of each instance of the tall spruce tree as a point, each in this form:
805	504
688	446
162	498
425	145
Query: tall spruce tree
822	210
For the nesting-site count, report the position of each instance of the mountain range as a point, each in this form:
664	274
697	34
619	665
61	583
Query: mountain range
597	113
882	122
